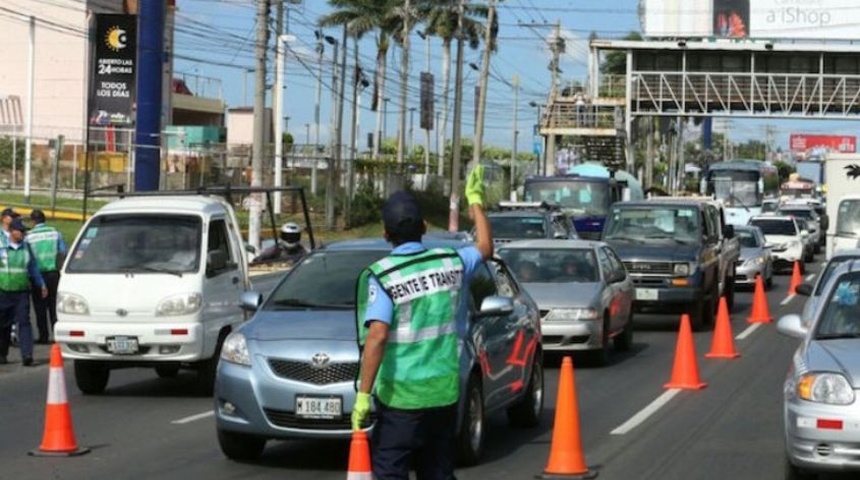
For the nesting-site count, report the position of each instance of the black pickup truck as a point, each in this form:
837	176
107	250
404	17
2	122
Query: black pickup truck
679	253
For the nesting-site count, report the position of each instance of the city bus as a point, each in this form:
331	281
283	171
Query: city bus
741	185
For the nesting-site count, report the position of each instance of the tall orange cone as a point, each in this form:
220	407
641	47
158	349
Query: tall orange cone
760	311
723	344
59	437
566	459
359	457
796	279
685	372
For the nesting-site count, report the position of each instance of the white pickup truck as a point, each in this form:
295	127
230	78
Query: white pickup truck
152	282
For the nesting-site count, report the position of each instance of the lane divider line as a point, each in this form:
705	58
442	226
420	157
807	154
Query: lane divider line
787	299
749	330
646	412
194	418
810	277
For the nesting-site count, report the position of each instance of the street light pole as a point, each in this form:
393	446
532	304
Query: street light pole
456	141
516	84
331	186
411	130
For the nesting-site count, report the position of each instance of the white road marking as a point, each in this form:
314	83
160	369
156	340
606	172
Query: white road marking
810	277
787	299
749	330
193	418
646	412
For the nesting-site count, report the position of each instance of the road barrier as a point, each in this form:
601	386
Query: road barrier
723	343
685	372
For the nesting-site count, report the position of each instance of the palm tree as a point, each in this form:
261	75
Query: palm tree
441	20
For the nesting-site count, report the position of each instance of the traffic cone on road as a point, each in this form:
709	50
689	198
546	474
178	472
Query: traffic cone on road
723	345
359	457
796	279
760	311
685	372
58	439
566	459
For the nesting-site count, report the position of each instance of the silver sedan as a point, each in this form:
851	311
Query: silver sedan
821	404
582	290
814	291
755	259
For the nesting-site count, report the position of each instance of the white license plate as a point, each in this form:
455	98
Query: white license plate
122	345
319	407
646	294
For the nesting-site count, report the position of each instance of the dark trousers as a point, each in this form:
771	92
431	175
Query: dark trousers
425	437
15	310
46	307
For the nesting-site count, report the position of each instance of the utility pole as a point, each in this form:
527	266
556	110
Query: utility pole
404	79
259	123
456	141
318	98
427	130
516	84
557	47
482	97
411	130
353	147
31	80
278	101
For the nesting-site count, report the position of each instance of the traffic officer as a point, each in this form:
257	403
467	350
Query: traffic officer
17	268
50	249
412	307
6	218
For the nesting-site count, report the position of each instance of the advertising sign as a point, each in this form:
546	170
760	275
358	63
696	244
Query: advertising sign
763	19
834	143
113	71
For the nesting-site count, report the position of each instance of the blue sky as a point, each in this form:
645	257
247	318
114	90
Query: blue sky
215	38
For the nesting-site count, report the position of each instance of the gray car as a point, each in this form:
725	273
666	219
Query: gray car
289	372
814	291
582	289
755	259
821	408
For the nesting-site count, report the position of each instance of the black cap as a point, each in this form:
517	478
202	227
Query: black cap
401	215
17	224
8	212
37	215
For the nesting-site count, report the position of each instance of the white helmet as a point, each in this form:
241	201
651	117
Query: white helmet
291	234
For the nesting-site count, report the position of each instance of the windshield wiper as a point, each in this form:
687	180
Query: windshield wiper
732	195
148	268
836	336
626	239
846	233
296	302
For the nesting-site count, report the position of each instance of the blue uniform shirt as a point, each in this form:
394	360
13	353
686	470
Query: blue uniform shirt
61	242
381	308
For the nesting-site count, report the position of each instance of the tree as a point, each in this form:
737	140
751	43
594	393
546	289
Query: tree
615	62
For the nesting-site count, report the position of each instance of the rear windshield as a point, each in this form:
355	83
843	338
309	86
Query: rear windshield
747	238
775	227
544	265
518	226
138	244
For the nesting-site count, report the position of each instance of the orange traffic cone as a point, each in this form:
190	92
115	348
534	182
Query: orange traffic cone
685	372
566	459
760	311
359	457
59	436
723	345
796	279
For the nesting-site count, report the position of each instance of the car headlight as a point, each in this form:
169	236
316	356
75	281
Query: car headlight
235	350
682	269
182	304
571	314
72	304
830	388
752	262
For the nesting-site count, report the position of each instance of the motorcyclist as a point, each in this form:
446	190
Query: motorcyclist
288	248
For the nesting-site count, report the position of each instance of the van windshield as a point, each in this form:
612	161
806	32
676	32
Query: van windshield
138	244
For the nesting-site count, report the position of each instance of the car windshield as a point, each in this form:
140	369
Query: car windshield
848	218
556	265
775	226
577	196
841	315
325	279
679	224
747	238
518	226
831	266
138	243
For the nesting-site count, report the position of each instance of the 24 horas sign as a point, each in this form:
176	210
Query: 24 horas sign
113	70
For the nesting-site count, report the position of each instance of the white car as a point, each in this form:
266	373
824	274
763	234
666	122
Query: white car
785	238
808	213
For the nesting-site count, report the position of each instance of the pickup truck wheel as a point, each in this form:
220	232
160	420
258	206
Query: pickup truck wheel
729	291
240	447
470	438
526	413
91	377
167	371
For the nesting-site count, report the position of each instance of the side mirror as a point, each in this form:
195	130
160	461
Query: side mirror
791	326
824	222
729	231
250	248
496	305
250	301
216	260
804	289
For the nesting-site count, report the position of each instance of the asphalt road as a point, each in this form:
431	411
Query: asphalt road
144	427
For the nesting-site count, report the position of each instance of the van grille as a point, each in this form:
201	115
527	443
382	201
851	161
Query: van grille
306	372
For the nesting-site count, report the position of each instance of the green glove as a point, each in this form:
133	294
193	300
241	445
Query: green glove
475	186
360	410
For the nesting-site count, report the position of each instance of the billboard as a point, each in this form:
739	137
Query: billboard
804	145
762	19
113	70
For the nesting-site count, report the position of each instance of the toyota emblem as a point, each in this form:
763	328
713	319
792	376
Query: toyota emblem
320	360
122	312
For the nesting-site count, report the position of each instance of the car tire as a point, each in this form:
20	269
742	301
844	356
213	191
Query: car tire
167	371
795	473
526	413
470	438
768	283
729	291
600	357
208	368
624	341
91	377
240	447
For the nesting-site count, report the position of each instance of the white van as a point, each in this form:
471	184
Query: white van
152	282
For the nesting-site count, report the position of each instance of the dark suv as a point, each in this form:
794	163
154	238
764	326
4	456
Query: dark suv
530	221
679	253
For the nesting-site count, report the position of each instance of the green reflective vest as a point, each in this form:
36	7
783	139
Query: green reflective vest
420	367
45	241
13	268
